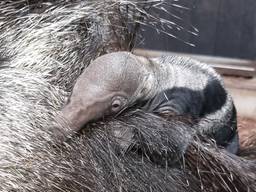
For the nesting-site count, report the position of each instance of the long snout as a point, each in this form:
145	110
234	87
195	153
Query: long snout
76	116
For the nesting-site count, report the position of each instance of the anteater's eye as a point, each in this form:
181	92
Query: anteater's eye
116	105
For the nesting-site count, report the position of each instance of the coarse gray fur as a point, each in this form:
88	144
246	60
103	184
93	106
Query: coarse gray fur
116	81
44	47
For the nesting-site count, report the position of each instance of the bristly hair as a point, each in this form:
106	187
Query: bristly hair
59	38
44	46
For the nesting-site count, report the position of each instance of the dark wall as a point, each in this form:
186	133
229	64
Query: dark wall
225	28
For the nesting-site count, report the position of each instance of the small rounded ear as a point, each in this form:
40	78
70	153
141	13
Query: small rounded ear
146	88
142	60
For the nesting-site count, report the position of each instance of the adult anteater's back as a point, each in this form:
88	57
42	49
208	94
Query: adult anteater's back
43	48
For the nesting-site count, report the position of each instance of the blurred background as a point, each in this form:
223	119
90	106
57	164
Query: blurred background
217	28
